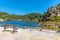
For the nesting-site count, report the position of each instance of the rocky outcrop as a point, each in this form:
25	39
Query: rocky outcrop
54	10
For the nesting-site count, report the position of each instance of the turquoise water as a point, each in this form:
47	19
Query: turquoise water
21	23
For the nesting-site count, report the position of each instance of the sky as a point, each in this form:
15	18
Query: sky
22	7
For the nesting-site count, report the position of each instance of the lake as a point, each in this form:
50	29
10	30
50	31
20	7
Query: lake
21	24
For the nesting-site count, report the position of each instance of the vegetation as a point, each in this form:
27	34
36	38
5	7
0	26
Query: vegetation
37	17
28	17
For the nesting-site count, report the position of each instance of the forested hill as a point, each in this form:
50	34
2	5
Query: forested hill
7	16
31	16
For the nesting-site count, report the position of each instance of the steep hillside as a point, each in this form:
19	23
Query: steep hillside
54	10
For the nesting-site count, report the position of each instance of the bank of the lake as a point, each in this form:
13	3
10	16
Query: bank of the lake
21	23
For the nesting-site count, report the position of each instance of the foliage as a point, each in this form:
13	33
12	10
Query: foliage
32	17
37	17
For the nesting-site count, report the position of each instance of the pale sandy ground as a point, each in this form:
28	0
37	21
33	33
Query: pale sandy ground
29	34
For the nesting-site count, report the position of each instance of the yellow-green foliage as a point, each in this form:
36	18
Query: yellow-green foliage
58	18
49	25
52	18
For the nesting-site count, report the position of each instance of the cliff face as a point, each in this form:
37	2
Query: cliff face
54	10
52	13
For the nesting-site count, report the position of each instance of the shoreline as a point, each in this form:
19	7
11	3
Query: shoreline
30	29
29	34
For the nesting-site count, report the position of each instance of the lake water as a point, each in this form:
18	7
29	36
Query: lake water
21	24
